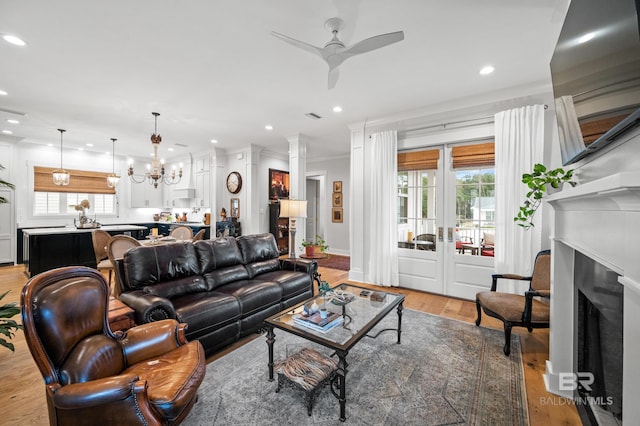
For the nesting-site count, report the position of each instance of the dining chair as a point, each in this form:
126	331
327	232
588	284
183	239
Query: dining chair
181	232
116	249
100	240
199	235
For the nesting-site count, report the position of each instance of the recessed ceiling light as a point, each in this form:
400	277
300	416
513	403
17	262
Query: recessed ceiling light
585	38
337	108
214	141
89	144
80	149
14	40
7	132
3	93
487	70
13	121
107	152
170	149
49	144
268	127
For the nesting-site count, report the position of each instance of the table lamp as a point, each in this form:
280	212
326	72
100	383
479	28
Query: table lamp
293	209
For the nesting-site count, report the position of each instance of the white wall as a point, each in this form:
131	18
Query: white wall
336	234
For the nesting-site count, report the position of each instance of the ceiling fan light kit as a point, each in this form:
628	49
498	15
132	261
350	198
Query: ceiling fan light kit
334	53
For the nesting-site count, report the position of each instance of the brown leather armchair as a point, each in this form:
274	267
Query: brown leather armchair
146	375
517	310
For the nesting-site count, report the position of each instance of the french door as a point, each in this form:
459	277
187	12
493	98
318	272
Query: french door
445	222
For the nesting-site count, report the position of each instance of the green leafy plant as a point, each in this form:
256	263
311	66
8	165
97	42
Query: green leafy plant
538	183
8	310
5	184
318	241
324	288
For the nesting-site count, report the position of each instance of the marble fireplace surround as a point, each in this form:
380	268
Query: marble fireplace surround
600	219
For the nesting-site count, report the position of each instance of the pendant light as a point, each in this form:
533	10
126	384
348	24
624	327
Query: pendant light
61	176
113	178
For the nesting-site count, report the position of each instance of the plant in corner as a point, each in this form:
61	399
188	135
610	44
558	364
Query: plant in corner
316	247
8	310
538	183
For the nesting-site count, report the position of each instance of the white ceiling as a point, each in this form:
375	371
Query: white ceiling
213	71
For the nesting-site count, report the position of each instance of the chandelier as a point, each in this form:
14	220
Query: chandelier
155	171
113	178
61	176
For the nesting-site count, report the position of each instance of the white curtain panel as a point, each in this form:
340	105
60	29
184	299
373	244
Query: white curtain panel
519	145
383	248
569	133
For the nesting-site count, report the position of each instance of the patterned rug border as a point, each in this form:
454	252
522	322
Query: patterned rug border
225	399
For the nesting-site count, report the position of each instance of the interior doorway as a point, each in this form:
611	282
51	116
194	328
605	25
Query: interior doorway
313	194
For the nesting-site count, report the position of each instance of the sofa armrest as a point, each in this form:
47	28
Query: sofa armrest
152	340
303	265
148	307
95	392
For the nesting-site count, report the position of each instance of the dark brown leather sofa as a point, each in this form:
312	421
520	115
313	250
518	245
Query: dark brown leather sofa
147	375
223	289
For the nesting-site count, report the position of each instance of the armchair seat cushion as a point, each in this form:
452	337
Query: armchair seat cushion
173	378
510	306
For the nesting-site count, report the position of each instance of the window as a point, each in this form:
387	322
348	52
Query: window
60	203
475	203
416	206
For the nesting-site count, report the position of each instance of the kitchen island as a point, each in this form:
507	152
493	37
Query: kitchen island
48	248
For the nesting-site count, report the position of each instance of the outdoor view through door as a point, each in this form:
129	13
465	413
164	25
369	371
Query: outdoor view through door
418	193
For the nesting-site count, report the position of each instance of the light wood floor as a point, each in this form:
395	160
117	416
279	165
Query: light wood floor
23	402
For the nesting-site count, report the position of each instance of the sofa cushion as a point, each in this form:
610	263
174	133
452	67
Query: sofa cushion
291	282
255	269
252	295
179	287
207	310
220	277
153	264
217	254
258	248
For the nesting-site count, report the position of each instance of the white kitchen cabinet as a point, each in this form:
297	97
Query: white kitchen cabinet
203	189
145	195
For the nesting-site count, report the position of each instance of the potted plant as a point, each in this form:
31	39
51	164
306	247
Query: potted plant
324	288
8	310
540	182
7	184
315	248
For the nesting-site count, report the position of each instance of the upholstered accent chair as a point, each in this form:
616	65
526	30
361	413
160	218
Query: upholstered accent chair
530	310
199	235
146	375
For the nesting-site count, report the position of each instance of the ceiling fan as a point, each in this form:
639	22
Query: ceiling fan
335	52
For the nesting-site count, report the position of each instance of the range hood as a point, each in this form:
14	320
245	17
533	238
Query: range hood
184	193
188	191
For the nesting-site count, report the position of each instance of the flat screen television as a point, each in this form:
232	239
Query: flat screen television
595	71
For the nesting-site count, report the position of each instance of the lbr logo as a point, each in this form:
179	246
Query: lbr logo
569	381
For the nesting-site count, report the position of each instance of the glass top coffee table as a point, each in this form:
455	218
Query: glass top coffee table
359	316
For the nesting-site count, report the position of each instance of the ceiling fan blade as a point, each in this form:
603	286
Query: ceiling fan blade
297	43
334	73
375	42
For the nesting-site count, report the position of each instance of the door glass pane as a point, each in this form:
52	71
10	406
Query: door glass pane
475	211
417	209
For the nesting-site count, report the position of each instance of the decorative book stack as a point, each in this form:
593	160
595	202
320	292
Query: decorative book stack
317	323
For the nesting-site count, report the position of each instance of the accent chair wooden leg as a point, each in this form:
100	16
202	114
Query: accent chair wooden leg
479	309
507	338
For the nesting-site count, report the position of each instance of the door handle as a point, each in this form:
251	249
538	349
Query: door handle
440	235
450	234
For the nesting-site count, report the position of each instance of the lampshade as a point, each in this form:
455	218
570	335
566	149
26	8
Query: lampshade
113	178
61	176
293	208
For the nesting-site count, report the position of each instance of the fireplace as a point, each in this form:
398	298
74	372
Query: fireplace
595	286
598	336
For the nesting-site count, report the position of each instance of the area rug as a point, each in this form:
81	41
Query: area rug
445	372
335	261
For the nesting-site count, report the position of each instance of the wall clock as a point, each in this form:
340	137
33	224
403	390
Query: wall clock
234	182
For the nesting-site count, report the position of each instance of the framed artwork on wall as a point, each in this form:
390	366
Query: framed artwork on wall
278	184
337	186
336	215
337	199
235	207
